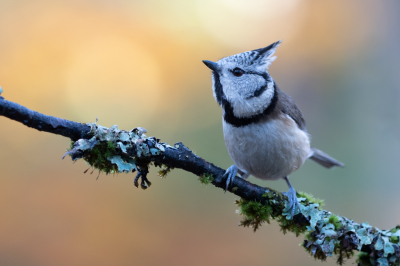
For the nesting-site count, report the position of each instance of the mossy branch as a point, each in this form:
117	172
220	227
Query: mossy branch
111	150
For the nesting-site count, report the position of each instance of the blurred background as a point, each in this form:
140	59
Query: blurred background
138	63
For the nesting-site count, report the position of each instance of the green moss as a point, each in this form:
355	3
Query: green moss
269	195
333	219
97	157
206	179
289	225
364	259
164	171
394	239
308	236
71	145
395	229
254	213
310	199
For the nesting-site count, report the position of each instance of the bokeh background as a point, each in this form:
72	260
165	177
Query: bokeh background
138	63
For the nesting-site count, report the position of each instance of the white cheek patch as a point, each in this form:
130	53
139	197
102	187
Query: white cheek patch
240	91
213	88
244	106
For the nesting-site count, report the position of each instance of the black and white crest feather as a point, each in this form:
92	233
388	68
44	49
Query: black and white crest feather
265	54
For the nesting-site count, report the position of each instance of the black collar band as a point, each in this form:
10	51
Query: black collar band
230	118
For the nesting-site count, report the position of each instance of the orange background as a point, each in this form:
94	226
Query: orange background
138	63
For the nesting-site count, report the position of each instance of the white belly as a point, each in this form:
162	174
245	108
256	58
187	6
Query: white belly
269	150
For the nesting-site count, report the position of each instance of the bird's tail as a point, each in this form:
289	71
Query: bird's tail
324	159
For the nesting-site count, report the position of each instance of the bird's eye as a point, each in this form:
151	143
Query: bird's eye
237	72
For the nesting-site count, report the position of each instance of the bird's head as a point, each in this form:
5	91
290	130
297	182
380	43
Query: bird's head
242	80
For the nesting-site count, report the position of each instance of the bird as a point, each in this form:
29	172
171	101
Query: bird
264	130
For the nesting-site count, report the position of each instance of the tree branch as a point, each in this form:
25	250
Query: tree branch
41	122
114	150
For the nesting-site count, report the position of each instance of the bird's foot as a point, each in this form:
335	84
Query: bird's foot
231	173
293	201
244	175
142	172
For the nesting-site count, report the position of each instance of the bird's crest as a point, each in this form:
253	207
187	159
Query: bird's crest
264	56
259	57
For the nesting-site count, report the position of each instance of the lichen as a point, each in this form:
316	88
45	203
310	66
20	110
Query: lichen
111	150
310	198
331	234
325	234
206	179
123	164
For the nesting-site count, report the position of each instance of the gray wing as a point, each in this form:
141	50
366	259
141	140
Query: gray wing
289	107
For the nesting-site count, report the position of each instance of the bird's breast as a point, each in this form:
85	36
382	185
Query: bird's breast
270	149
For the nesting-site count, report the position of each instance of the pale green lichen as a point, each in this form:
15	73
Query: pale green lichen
206	179
333	230
310	199
111	150
124	165
326	234
382	262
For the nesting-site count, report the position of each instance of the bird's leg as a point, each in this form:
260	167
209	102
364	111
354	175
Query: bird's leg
142	172
231	173
243	174
292	198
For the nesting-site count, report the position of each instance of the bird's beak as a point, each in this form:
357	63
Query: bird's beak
211	65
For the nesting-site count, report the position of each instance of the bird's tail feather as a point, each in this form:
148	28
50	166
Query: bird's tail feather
324	159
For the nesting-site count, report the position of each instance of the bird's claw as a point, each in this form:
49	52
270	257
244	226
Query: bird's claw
145	183
231	172
293	201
